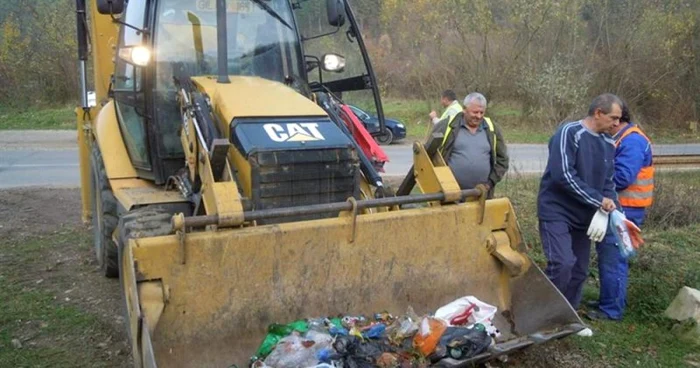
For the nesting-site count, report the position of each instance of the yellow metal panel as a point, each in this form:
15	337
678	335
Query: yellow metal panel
109	138
434	179
152	301
84	141
103	43
127	278
135	192
221	198
235	282
243	169
256	97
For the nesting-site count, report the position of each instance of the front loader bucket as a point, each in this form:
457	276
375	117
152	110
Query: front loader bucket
205	299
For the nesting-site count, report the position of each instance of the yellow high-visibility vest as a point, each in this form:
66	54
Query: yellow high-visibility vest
488	122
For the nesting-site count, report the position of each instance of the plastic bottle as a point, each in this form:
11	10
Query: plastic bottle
275	332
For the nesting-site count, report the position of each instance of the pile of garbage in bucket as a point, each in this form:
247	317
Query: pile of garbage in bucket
459	330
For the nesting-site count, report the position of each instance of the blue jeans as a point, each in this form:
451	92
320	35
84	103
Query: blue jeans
613	270
568	253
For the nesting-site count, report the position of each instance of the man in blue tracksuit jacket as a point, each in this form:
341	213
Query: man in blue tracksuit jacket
634	183
577	181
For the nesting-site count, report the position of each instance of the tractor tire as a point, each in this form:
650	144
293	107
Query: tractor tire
139	223
144	222
385	139
104	216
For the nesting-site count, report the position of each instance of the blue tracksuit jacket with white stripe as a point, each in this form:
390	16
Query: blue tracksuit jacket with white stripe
579	173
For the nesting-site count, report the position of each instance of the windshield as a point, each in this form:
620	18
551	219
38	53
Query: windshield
261	39
351	84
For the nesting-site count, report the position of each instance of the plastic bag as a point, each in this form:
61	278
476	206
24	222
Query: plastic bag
462	343
429	334
467	311
297	351
620	227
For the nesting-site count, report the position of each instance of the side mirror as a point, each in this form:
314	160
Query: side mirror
336	12
110	6
333	63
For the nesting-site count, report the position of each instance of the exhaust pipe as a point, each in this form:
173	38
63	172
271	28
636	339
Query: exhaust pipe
222	42
82	51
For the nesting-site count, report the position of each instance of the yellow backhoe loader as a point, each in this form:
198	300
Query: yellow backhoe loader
227	193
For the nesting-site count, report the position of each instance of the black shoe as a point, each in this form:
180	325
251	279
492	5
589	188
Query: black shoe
597	315
592	304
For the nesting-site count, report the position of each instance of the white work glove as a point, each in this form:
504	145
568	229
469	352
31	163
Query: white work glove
599	226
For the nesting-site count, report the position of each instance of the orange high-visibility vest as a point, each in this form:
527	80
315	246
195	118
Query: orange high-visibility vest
641	192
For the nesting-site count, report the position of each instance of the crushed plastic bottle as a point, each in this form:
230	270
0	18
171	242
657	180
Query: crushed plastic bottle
403	327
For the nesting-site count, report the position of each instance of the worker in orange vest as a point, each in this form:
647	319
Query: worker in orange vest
634	183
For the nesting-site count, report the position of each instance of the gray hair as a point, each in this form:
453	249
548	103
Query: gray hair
605	103
475	97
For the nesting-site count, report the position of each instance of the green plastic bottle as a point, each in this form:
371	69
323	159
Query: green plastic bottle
276	332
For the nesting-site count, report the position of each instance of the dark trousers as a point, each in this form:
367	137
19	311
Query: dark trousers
613	269
568	253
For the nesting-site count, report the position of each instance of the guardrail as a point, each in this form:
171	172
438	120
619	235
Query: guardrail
690	160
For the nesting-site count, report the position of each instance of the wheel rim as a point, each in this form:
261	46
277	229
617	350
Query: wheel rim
385	138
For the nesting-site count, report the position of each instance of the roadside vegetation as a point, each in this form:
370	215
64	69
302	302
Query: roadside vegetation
669	260
37	118
538	62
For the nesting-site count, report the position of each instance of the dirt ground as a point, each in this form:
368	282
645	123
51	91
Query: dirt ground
71	274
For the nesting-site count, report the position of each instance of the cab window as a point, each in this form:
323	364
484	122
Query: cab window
127	86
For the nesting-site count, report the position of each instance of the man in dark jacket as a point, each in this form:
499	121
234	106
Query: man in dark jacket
576	186
473	146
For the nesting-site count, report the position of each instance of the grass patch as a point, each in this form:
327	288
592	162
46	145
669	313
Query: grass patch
673	135
33	316
676	202
51	334
37	118
669	260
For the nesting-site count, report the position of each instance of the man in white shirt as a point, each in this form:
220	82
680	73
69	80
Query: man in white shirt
451	105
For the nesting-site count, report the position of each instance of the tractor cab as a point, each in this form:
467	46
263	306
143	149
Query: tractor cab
277	40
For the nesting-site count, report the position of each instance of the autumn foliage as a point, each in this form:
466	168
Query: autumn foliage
546	56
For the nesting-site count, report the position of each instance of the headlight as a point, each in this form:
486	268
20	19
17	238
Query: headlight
137	55
400	126
333	63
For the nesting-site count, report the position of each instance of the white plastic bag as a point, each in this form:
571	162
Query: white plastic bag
480	312
296	351
622	236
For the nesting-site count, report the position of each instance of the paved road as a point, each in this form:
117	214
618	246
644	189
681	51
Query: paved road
23	168
51	158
